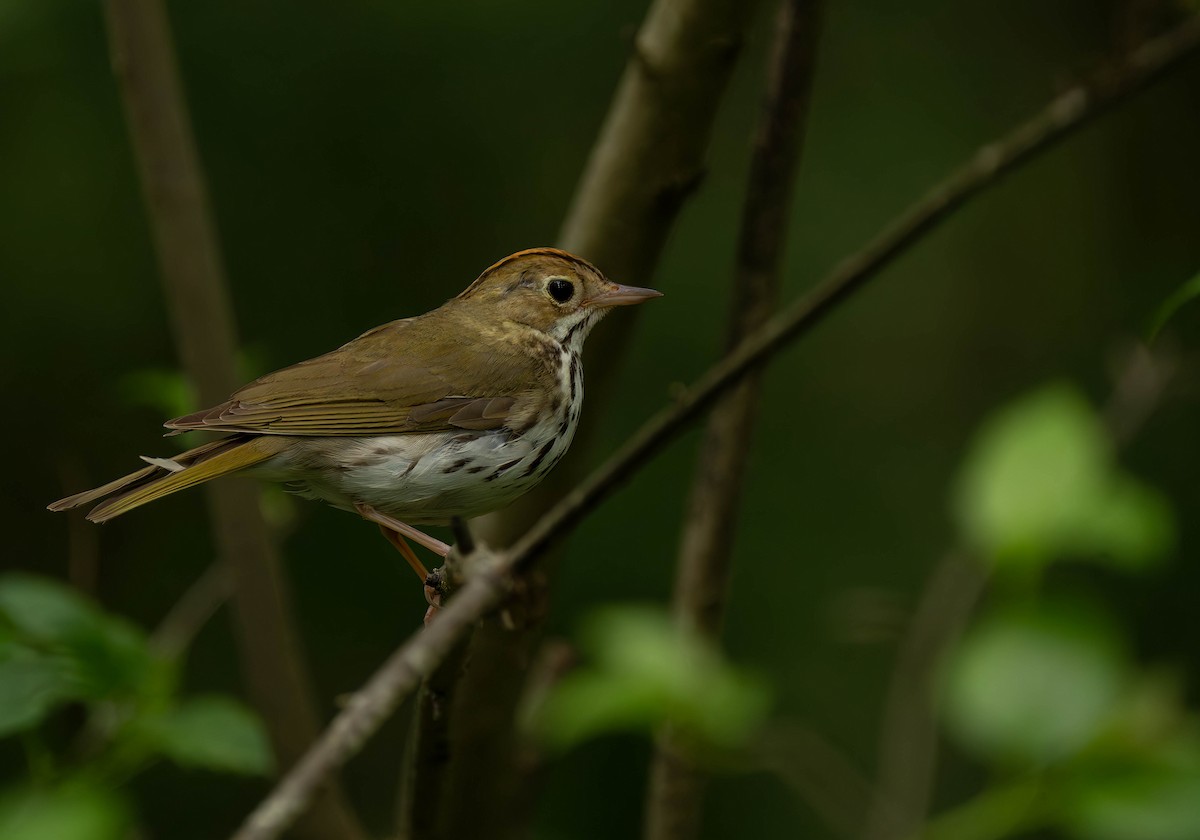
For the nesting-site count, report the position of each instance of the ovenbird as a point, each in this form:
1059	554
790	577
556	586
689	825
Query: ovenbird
456	412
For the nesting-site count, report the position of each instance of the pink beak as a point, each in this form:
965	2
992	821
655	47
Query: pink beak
620	295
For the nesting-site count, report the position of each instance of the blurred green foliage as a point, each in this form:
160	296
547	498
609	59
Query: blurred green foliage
642	671
1035	684
1042	687
1040	484
58	653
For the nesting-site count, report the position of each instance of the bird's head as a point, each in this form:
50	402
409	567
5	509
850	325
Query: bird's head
550	290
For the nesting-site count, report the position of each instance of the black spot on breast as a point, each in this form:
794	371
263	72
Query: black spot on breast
578	325
542	453
500	470
455	467
576	375
477	469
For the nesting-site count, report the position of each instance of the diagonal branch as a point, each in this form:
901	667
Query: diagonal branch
143	59
674	795
401	673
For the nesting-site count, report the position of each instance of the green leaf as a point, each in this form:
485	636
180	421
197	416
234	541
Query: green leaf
1039	482
1187	292
43	610
215	733
1143	804
643	672
1130	525
72	813
111	656
1034	686
31	686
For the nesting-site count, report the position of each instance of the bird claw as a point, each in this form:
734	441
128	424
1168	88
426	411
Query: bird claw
436	590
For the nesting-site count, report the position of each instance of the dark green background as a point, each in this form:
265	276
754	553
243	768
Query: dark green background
367	160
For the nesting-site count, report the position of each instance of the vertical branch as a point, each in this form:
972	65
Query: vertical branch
189	258
908	740
647	160
674	796
648	157
423	801
424	781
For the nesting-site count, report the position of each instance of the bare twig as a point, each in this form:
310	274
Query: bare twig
908	743
83	541
1140	377
673	803
647	159
487	587
423	805
192	611
818	772
144	63
423	800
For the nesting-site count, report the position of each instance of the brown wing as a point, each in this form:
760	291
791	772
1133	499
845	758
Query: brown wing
416	375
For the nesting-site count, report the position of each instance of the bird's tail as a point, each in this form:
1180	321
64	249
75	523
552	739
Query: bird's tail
168	475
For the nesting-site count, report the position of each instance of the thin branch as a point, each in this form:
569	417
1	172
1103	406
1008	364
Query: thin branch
192	611
647	160
819	773
487	587
83	540
908	742
1141	376
424	802
144	63
674	795
424	782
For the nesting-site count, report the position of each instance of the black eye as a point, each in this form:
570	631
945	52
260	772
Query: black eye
559	289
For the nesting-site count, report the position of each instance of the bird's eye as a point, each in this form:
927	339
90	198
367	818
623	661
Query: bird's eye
561	290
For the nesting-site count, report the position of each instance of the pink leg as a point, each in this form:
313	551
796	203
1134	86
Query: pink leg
405	549
420	537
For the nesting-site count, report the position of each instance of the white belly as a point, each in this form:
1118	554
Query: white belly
427	478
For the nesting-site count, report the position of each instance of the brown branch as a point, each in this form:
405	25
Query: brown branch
486	588
424	804
189	257
674	794
647	160
424	800
192	611
908	741
818	772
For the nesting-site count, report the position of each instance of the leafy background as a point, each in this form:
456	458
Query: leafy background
366	160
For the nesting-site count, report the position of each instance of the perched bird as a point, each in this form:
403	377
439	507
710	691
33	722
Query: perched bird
456	412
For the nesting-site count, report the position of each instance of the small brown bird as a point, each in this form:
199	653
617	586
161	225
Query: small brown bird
456	412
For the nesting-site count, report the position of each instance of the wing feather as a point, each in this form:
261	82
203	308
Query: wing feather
371	386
